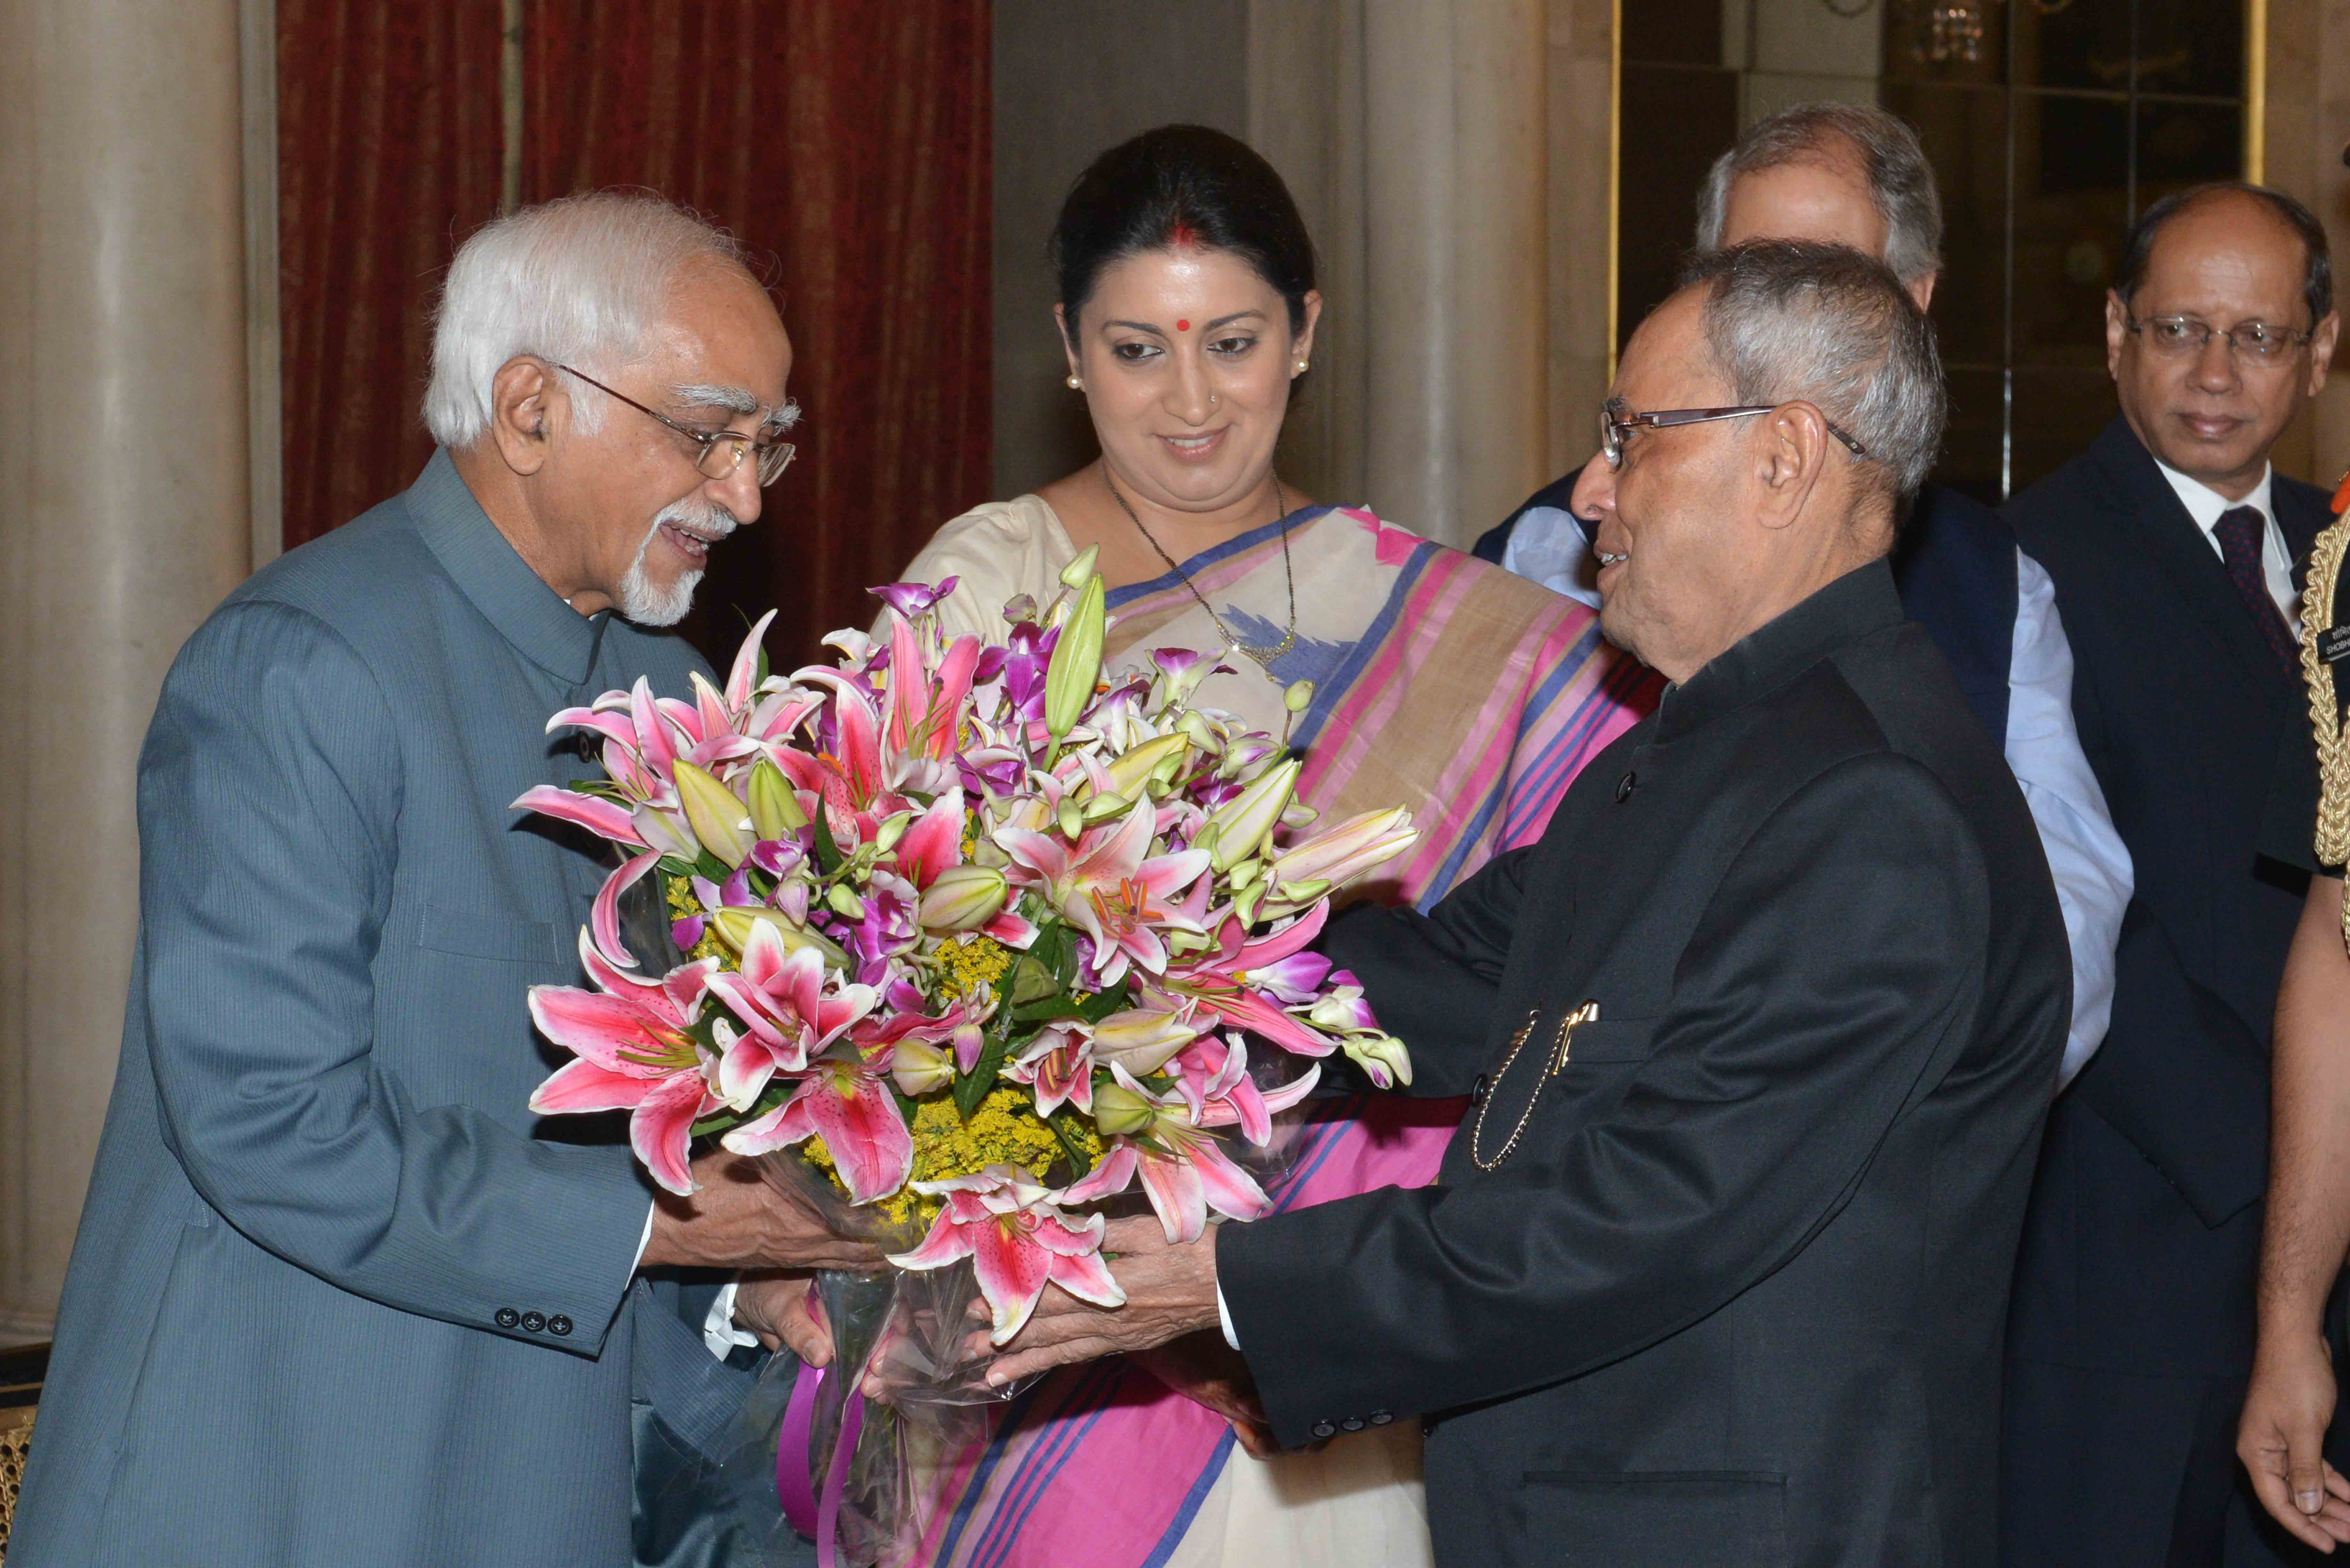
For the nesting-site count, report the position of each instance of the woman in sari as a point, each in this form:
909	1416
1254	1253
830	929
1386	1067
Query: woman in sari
1187	311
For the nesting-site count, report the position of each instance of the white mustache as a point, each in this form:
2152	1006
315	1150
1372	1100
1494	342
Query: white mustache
711	521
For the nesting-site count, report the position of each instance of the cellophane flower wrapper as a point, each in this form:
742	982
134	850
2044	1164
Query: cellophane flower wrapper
969	947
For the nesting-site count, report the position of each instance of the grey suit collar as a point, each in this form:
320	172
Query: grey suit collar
501	585
1861	602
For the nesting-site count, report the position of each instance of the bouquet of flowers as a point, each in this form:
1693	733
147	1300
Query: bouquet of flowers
968	939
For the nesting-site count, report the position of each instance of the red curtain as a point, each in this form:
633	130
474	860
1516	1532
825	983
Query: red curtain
845	139
386	149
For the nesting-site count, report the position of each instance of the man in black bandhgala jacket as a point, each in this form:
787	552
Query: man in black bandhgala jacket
1762	1031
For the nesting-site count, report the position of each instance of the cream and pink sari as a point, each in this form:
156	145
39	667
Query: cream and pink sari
1441	683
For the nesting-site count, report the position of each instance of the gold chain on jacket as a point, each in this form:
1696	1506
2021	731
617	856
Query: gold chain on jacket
1556	1063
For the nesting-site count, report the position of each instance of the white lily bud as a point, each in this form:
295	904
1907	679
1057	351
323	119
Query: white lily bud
963	898
921	1069
718	816
1074	574
775	809
1298	696
1103	807
1076	662
844	902
892	828
1072	817
1127	770
1120	1112
1244	822
734	929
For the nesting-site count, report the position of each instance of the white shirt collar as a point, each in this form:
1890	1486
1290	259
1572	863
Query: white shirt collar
2205	504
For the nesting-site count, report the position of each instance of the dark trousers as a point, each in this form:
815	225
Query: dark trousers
2129	1345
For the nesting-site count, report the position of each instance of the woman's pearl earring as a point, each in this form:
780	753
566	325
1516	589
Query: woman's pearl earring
1301	367
1077	383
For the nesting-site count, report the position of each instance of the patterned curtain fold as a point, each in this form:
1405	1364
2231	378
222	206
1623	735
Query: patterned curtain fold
847	142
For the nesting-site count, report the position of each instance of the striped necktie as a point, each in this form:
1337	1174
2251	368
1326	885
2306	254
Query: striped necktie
2240	531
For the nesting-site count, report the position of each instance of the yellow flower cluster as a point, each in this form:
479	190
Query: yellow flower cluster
1003	1130
683	903
968	962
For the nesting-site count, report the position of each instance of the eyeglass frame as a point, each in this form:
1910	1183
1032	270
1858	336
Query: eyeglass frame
706	440
1612	427
2291	338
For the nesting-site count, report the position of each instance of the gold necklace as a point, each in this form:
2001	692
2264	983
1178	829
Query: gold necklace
1263	656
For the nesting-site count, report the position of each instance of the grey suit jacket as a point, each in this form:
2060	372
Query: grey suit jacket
335	1297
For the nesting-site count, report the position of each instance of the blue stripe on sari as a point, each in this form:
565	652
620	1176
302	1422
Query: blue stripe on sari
1181	1524
1366	649
1038	1481
1015	1414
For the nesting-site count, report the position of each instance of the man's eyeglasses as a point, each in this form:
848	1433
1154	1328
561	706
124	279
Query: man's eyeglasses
721	452
2183	337
1615	418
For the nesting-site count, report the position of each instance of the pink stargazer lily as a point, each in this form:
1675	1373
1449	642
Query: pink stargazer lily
788	1013
1111	887
926	702
1184	1169
634	1055
1211	1076
1057	1065
1018	1240
1219	979
848	1103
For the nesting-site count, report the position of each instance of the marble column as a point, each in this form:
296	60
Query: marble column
1455	261
124	517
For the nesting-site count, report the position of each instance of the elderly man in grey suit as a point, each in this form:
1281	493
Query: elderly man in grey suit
335	1299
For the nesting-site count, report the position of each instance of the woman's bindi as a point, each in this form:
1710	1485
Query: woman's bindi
1183	325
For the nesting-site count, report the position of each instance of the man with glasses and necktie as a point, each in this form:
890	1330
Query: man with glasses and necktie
2175	548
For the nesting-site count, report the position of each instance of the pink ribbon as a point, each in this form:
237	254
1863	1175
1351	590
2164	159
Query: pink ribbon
805	1512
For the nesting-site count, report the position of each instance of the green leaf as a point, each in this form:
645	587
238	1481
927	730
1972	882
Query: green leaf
1069	1134
828	853
671	866
980	1082
1102	1003
1057	1005
712	869
1031	981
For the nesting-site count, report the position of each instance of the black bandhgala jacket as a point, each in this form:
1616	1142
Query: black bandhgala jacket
1736	1295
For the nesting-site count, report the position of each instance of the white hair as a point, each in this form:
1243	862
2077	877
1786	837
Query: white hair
1900	180
1793	319
580	281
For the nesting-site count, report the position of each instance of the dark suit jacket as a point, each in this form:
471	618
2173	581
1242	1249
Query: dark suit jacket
2184	714
1736	1297
1955	566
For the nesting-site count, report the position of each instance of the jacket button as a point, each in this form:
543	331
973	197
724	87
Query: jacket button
1625	786
1381	1418
534	1322
558	1324
508	1317
1352	1423
1477	1090
1324	1429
